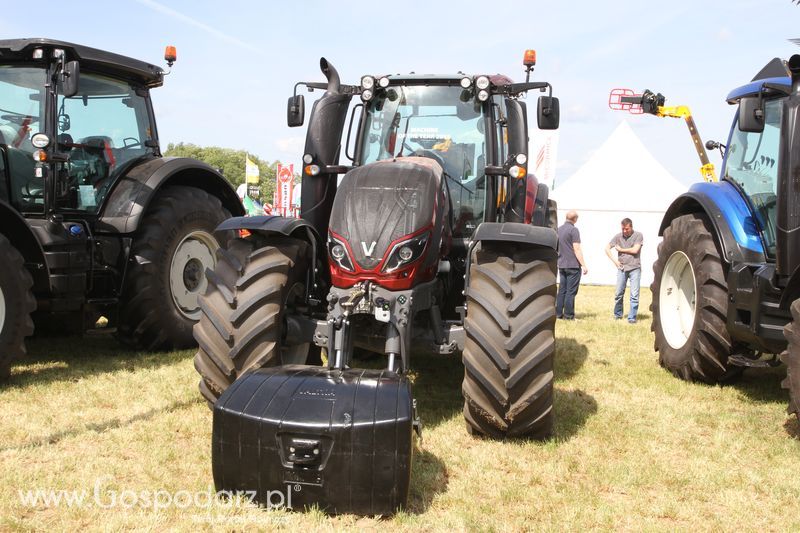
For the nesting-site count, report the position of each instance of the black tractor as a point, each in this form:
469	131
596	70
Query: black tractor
96	227
433	238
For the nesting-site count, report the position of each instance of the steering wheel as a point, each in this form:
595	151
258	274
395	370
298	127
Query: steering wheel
19	118
136	142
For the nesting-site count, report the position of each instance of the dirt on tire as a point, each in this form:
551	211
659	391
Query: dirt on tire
241	325
149	318
704	355
510	346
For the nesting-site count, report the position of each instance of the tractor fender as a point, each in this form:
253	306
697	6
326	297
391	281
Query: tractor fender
274	225
515	232
127	202
729	214
16	229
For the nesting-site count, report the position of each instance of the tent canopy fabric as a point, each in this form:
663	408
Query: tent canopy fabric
620	180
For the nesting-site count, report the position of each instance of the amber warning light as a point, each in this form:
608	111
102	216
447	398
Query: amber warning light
170	55
530	58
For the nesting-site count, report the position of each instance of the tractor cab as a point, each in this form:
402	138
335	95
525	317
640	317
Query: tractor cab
72	120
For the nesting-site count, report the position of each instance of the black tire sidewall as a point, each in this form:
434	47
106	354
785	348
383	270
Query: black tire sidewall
189	222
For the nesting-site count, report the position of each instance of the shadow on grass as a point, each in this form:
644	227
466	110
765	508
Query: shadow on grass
762	385
76	357
570	357
114	423
572	409
429	477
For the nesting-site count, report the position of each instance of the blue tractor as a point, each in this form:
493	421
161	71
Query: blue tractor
726	290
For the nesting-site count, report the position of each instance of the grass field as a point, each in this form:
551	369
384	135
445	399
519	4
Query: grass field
634	448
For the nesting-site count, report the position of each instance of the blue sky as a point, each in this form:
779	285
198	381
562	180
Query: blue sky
238	61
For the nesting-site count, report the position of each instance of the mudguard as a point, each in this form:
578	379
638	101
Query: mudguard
301	435
730	216
516	232
268	224
127	202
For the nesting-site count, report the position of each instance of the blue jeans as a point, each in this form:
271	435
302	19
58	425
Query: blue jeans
622	280
567	289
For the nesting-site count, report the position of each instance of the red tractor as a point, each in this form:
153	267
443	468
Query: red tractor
434	237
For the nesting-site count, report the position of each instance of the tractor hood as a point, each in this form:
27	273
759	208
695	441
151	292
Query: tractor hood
378	204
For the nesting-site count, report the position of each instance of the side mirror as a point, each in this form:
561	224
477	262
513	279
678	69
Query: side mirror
751	115
70	79
296	111
548	113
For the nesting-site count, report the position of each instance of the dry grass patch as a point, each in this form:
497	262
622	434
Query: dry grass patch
634	448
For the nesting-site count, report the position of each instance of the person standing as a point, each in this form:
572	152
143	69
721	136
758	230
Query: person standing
628	244
570	266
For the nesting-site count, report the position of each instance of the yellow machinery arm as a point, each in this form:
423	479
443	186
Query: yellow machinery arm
653	104
682	111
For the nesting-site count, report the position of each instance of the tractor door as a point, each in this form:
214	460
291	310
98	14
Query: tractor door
751	163
104	130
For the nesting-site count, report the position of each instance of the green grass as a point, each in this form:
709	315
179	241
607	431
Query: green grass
634	448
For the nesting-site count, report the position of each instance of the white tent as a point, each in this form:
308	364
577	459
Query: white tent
621	179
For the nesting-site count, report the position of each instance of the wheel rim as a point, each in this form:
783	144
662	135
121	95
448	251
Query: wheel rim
2	309
676	304
187	280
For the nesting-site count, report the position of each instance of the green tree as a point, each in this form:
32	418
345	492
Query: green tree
232	164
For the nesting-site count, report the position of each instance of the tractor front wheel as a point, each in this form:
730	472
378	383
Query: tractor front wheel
171	251
242	322
16	305
690	302
791	359
508	356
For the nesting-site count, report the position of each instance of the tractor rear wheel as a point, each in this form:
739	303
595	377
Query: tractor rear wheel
690	302
242	322
171	251
508	355
791	358
16	305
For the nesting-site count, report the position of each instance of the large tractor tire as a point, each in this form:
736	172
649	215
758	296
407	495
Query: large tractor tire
690	302
16	305
791	358
242	324
508	356
172	249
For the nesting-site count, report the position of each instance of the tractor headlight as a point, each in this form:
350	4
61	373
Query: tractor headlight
466	83
383	82
338	252
405	252
483	95
521	159
366	95
482	82
367	82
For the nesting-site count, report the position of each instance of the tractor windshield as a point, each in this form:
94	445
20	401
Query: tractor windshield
103	129
752	163
21	115
440	122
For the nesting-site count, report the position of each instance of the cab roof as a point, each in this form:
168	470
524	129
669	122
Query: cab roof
773	73
101	61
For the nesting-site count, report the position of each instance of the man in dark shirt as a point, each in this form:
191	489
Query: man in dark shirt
570	265
628	244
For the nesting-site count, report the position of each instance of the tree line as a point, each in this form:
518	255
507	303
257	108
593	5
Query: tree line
232	164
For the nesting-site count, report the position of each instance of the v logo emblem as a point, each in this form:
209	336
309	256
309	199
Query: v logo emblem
368	251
